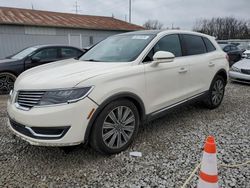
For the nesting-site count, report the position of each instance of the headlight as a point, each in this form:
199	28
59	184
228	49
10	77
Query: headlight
64	96
235	69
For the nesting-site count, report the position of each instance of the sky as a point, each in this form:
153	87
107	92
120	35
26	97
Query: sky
179	13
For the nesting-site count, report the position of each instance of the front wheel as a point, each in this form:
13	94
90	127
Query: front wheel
6	82
216	92
115	127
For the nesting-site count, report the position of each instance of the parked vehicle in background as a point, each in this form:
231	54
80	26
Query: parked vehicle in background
240	71
246	54
233	52
114	87
30	57
222	42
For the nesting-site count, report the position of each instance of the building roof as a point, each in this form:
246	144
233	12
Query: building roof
27	17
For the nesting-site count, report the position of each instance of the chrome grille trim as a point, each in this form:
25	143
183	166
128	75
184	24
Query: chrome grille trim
30	96
29	99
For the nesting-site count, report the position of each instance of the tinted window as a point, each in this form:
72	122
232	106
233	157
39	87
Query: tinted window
209	45
234	48
48	53
194	45
70	52
169	43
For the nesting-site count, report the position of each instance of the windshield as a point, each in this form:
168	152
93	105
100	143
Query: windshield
119	48
23	53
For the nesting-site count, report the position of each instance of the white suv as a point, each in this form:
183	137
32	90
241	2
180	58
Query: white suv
104	96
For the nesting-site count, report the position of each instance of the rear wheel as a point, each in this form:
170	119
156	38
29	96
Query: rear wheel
115	127
216	92
7	81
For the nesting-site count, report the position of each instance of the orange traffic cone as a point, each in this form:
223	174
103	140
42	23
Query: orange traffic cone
208	177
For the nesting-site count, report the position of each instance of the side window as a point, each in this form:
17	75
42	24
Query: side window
149	57
46	54
170	43
194	45
233	47
209	45
70	52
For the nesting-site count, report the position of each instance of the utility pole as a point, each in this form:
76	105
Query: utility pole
76	7
130	11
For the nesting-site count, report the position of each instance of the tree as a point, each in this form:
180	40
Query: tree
224	28
153	24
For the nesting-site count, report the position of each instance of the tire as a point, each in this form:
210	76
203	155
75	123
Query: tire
115	127
7	81
216	92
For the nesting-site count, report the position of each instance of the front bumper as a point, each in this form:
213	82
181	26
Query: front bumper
239	77
35	125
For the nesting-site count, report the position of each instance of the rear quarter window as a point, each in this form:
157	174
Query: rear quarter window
209	45
193	44
70	52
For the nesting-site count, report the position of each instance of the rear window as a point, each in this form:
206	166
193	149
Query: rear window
209	45
194	45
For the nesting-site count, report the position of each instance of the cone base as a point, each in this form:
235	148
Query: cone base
203	184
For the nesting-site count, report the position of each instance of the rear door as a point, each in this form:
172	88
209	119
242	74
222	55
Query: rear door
167	83
43	56
202	65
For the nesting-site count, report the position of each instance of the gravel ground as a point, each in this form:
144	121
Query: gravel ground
171	148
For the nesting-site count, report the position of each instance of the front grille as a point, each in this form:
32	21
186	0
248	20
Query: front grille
245	71
29	99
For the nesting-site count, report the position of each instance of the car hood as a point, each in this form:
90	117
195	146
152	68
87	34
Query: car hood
243	64
7	60
63	74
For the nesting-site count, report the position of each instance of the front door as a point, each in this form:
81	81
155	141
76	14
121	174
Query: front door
167	83
43	56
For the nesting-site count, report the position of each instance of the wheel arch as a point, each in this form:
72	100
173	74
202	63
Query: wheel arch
124	95
223	73
9	72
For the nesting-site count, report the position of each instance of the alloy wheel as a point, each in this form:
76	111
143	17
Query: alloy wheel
118	127
6	83
217	92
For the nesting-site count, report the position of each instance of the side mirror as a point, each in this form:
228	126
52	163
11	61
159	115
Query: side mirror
35	59
163	57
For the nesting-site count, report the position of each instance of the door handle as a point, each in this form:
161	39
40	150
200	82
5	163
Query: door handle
182	70
211	64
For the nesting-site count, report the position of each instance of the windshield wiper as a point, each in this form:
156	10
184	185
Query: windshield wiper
93	60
